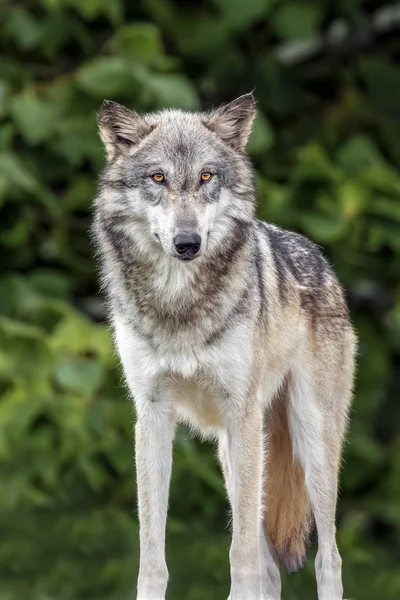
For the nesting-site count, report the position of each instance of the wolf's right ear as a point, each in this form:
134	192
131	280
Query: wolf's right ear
121	128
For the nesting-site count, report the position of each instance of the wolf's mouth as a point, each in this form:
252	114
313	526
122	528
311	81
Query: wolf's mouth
187	257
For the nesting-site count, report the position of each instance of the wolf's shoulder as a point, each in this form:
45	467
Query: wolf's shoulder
296	253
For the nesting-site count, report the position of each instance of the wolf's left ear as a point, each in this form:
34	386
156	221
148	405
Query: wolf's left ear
121	128
232	122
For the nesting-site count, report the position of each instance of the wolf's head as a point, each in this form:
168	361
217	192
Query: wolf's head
182	178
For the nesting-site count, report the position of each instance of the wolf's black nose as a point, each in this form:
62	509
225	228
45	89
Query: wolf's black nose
187	244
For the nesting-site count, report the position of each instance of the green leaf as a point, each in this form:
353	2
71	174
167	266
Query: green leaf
202	35
80	193
139	42
22	348
162	90
383	178
83	376
3	97
17	235
384	234
77	140
358	154
51	283
383	84
104	77
243	13
35	117
23	28
77	334
7	131
279	88
314	164
323	229
20	330
17	172
3	188
295	20
262	136
90	9
386	207
353	198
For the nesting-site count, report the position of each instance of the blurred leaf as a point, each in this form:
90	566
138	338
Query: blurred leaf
23	28
139	42
16	172
358	154
77	140
104	77
353	198
51	282
386	207
82	376
383	235
383	82
35	117
244	13
76	333
315	164
91	9
323	229
17	235
262	136
278	88
80	193
168	90
294	20
3	99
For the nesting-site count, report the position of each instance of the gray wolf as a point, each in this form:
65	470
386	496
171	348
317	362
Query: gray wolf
232	325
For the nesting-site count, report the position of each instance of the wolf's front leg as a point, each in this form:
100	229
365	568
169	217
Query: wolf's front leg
153	444
245	458
154	434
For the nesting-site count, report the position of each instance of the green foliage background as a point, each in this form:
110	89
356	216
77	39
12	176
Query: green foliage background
327	150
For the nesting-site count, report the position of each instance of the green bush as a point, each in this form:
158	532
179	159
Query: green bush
326	146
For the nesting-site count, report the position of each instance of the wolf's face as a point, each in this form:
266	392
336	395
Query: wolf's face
183	177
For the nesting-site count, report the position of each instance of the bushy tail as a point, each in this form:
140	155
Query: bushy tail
288	516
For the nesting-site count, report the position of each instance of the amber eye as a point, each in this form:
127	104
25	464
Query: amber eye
158	177
205	177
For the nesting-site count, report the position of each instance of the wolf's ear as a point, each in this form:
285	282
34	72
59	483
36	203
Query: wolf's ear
121	128
233	121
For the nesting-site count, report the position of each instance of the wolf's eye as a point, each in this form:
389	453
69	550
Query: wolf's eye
204	177
158	177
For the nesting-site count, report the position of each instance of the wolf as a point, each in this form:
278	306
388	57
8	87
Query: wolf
232	325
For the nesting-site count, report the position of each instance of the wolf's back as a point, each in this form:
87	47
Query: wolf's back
303	274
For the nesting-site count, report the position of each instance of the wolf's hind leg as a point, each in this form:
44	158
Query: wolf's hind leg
270	575
317	428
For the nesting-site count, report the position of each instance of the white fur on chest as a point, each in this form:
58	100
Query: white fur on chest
200	378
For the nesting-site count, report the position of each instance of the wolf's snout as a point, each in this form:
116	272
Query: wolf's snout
187	245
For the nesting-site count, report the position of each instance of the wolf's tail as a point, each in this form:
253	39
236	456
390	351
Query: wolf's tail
288	516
